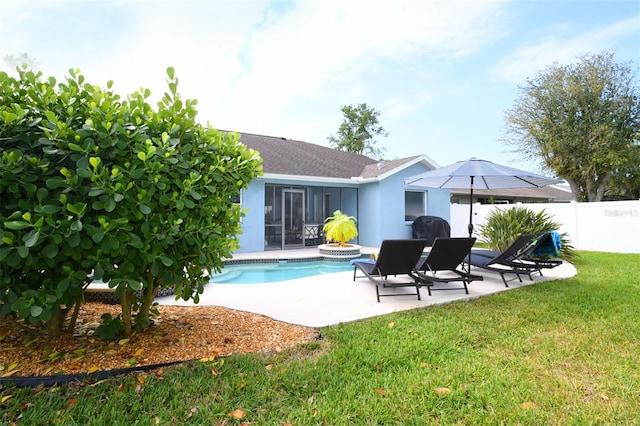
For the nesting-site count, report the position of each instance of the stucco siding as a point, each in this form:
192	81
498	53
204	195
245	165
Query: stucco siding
368	217
437	202
252	237
382	207
392	224
378	204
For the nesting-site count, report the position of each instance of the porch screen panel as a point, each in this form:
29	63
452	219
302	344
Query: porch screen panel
273	216
314	213
331	201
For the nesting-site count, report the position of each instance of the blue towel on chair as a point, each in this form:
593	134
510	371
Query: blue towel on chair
551	246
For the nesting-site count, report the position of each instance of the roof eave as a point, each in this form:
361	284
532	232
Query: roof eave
310	179
354	180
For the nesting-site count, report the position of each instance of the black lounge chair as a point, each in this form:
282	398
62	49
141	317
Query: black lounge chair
396	257
505	262
541	253
441	264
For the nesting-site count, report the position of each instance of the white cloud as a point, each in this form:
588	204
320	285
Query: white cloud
562	48
316	41
315	47
285	68
248	50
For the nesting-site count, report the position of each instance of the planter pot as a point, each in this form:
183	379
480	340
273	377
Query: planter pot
335	252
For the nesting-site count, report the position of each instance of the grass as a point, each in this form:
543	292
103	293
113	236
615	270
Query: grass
562	352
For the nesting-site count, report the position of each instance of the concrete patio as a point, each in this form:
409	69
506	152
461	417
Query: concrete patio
330	299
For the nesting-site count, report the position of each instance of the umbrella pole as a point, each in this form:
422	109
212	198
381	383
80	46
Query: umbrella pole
471	209
470	225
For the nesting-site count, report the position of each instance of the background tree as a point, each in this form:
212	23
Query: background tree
358	131
625	181
93	186
581	121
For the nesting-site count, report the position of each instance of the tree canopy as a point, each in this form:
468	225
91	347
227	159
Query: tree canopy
581	121
625	181
97	187
358	131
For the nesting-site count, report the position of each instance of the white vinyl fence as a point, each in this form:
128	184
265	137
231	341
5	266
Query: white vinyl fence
610	226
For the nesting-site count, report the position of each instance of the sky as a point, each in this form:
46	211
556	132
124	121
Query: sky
441	74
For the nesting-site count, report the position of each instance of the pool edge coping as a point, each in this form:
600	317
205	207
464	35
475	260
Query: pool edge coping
289	259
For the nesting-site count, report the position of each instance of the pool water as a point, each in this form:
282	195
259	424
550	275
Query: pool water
254	273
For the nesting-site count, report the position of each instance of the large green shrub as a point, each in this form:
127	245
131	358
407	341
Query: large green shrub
94	186
504	225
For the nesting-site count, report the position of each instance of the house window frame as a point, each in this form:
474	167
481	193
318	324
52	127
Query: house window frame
424	204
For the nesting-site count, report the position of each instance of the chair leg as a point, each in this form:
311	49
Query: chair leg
517	274
378	295
504	280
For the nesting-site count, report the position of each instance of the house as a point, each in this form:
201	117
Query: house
304	183
545	194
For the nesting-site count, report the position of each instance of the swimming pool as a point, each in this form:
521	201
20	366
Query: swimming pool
255	273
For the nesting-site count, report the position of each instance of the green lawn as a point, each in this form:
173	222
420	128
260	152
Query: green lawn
564	352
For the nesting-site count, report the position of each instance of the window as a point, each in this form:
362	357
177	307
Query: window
415	204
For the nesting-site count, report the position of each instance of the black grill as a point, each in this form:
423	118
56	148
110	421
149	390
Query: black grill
429	228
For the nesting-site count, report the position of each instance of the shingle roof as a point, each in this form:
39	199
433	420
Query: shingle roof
291	157
381	167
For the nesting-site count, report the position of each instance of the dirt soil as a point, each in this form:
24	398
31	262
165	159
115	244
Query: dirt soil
178	334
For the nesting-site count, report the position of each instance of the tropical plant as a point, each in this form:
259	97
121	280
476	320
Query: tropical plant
340	228
504	225
95	187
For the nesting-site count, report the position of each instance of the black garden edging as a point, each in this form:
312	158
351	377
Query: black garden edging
48	381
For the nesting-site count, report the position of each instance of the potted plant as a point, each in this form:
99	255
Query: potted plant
338	229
